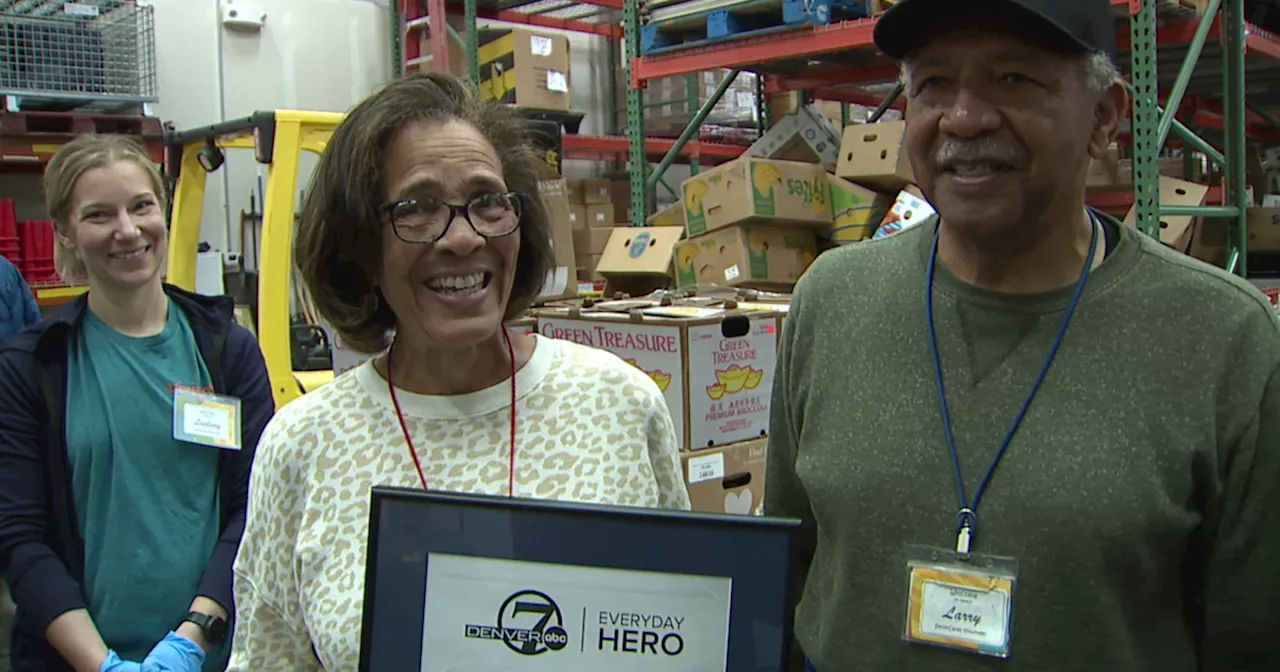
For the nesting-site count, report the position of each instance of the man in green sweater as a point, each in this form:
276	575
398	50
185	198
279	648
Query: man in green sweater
1023	431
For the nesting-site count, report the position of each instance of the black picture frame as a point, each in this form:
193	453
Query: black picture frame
407	525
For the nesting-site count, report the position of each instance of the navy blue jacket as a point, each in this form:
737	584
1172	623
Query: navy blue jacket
41	549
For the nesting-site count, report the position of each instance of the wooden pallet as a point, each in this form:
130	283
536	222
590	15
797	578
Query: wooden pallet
748	18
76	123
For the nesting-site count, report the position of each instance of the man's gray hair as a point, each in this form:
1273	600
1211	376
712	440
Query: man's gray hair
1099	71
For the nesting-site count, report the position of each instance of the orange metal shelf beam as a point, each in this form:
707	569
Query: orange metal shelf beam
603	147
609	30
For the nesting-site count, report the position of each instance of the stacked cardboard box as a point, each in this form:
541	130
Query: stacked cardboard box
592	214
752	223
668	109
874	165
713	361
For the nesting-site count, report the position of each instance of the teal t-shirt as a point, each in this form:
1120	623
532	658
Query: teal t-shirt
147	504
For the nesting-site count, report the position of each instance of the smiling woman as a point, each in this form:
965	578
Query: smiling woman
421	235
120	515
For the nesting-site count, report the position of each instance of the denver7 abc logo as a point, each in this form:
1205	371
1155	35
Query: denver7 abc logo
529	623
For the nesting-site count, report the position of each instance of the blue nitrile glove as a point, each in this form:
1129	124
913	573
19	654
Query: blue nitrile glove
174	653
114	664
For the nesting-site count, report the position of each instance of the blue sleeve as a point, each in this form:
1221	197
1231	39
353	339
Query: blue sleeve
31	309
245	373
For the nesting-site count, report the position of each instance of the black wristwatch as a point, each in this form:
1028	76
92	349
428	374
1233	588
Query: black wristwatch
213	628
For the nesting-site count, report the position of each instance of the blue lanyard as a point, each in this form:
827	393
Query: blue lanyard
968	517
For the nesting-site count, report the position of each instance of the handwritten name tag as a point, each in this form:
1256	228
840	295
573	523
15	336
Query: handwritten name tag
961	605
206	419
967	613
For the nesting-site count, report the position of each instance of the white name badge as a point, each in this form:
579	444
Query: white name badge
960	602
206	419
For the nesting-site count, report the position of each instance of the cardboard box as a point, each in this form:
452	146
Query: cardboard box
714	366
587	273
873	155
595	191
1105	171
586	263
560	281
599	214
1175	231
1262	226
909	209
783	308
591	241
577	213
457	58
856	211
525	68
638	260
759	257
783	104
620	194
667	104
728	479
672	215
757	191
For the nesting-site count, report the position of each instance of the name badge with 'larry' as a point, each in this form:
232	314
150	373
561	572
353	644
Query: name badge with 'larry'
206	419
960	602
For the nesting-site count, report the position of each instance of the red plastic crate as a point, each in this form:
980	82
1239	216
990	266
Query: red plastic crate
39	273
36	241
9	246
9	250
8	220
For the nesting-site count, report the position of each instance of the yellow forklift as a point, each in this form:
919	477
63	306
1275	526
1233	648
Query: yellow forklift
277	138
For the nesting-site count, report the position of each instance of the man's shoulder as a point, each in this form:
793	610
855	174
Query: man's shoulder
1177	278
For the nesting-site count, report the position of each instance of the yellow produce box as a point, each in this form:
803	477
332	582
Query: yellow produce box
757	191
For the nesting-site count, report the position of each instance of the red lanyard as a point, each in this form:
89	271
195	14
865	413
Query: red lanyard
511	474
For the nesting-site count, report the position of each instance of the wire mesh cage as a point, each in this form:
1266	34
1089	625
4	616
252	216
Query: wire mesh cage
92	54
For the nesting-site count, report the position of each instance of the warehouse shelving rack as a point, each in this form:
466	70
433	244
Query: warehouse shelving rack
595	17
1209	45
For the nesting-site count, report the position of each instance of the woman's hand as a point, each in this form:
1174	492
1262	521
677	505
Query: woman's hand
174	653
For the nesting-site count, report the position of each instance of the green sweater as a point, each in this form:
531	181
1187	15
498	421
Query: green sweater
1141	495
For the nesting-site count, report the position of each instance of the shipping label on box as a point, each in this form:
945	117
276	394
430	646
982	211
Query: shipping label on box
757	191
655	349
728	479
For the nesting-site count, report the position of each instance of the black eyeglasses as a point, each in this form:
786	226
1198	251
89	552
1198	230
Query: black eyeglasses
426	220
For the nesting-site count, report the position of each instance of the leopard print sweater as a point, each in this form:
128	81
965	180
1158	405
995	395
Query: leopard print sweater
591	428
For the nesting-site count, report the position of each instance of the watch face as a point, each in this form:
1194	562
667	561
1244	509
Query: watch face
216	631
214	628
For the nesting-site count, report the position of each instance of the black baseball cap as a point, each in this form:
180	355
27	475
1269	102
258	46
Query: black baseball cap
1061	25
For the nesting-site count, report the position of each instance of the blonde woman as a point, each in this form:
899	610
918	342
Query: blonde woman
128	422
